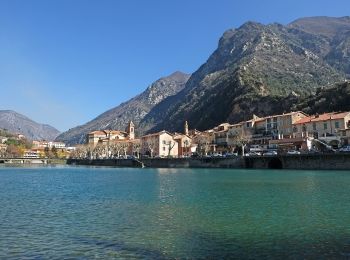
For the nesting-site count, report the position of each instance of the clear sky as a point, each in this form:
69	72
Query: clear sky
63	62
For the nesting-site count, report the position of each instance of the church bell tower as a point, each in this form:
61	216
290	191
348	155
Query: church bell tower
186	128
131	130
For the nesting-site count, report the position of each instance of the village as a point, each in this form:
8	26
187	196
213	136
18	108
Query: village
289	133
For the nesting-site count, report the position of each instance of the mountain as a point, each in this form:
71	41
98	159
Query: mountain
135	109
333	35
17	123
326	99
256	69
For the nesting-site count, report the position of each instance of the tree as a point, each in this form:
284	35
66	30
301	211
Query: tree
47	152
13	151
99	151
170	147
54	151
150	145
240	141
136	146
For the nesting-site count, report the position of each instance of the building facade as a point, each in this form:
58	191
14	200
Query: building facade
161	144
327	127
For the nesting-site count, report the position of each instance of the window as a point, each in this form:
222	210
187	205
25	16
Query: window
336	124
314	126
163	141
248	124
324	126
163	148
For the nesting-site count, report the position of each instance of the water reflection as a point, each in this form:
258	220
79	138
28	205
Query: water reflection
85	213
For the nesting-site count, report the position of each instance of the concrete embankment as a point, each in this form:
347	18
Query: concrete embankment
304	161
236	162
335	161
106	162
32	161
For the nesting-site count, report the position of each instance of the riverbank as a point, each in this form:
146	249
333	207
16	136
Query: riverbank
303	161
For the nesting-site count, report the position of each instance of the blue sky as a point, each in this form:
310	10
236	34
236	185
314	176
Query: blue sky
64	62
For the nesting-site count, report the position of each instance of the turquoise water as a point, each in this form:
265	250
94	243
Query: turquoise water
109	213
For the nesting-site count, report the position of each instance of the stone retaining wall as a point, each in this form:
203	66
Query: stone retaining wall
307	162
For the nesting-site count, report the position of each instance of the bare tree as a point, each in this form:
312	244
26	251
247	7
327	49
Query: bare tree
124	147
136	146
151	145
100	151
240	141
115	149
170	147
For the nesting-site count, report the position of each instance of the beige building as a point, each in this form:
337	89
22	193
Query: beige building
324	125
261	130
161	144
184	143
44	144
105	136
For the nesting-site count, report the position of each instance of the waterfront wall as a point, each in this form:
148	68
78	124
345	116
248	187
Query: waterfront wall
31	161
106	162
235	162
304	161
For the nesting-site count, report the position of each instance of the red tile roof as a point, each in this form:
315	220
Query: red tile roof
323	117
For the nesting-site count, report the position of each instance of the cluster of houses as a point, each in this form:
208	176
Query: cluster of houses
39	149
284	132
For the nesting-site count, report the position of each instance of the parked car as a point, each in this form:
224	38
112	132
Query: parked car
231	154
252	154
345	149
270	153
216	155
293	152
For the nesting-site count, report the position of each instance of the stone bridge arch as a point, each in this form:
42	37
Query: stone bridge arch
275	163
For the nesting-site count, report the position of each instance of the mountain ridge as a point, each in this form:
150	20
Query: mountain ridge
256	69
249	66
18	123
134	109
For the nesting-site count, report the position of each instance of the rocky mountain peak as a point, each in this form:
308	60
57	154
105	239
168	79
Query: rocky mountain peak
322	25
256	69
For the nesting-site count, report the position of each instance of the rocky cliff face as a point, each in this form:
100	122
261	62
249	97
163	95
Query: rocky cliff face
254	69
134	109
334	98
17	123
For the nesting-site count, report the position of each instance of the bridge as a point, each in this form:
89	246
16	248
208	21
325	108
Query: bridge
31	161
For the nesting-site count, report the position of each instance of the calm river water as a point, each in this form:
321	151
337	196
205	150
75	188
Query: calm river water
112	213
